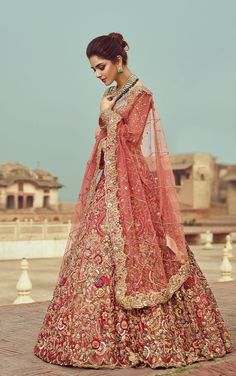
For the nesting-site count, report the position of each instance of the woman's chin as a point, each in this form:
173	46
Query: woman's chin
108	82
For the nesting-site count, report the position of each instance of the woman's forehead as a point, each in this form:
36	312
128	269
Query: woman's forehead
95	60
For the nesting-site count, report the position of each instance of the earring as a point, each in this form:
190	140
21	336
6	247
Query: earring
120	69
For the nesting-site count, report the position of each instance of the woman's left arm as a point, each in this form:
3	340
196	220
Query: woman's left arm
137	116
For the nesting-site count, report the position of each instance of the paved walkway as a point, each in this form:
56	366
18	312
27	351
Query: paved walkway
20	325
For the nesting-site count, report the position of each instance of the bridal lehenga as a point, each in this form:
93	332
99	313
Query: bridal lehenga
129	291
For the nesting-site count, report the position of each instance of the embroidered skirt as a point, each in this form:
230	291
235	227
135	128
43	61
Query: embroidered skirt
85	327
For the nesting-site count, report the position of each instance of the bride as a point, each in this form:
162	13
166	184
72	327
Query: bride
129	291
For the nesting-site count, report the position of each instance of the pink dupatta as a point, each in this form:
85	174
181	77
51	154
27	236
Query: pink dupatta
143	220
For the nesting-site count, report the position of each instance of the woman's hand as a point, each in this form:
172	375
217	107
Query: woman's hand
107	102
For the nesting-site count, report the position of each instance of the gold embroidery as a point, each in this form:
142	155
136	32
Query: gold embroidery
80	229
138	300
86	327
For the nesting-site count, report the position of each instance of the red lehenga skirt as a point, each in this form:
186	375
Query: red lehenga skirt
85	327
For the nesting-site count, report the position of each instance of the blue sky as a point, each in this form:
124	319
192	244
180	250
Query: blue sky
183	50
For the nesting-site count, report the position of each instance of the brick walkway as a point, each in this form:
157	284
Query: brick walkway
20	325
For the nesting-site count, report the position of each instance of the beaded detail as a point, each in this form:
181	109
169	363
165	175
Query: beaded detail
85	325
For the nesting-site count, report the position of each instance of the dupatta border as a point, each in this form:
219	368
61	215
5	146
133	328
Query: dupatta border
138	300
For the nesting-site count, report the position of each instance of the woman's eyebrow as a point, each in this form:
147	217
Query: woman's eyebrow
96	65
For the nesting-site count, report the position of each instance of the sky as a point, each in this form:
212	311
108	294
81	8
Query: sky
184	51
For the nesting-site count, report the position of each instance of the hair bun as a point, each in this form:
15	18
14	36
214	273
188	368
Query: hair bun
119	38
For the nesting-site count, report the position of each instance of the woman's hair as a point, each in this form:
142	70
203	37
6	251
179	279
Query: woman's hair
108	47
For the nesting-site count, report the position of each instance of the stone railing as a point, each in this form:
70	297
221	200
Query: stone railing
33	230
46	230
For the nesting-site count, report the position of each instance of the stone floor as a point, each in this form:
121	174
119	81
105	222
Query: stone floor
43	273
20	325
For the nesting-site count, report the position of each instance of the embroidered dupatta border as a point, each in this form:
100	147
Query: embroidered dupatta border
139	300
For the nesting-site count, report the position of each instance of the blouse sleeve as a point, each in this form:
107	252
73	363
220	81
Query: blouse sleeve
136	121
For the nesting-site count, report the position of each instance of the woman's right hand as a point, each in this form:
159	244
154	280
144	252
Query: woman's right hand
107	103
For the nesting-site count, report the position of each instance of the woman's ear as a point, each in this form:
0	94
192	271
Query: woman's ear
119	59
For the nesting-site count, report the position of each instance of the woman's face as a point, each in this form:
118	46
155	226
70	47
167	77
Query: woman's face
105	70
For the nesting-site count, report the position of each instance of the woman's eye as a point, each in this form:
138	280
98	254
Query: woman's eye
101	68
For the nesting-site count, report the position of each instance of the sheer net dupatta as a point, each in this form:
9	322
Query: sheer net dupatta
152	259
154	149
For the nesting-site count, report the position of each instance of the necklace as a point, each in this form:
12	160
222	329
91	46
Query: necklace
128	84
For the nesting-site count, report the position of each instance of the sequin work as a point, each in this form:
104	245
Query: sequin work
129	291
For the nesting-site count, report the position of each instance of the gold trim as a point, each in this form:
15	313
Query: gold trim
139	300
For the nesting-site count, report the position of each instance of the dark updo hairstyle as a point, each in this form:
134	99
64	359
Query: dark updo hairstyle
108	47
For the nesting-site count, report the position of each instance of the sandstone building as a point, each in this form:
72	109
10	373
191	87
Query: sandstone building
22	188
204	184
27	194
205	187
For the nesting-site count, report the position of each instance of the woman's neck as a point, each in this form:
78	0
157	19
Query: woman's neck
122	78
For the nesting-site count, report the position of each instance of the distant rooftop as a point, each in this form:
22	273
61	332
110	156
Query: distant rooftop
10	172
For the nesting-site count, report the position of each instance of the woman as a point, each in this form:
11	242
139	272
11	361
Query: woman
129	291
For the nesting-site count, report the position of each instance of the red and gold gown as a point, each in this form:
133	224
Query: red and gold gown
129	291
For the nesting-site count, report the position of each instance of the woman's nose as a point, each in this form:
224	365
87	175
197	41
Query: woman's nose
98	74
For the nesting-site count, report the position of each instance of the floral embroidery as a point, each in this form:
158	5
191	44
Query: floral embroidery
86	326
95	343
138	299
90	330
101	281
